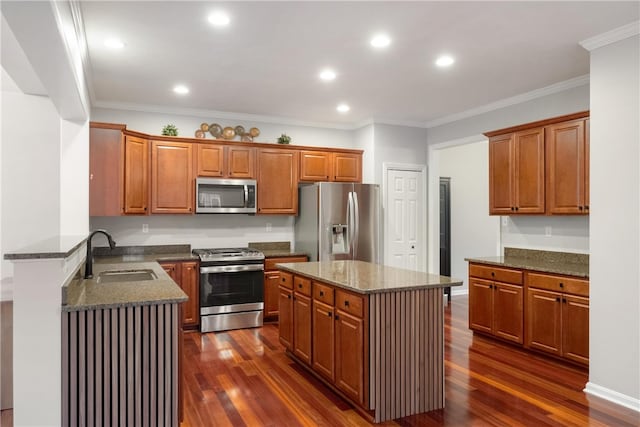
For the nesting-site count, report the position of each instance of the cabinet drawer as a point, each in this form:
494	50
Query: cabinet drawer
323	293
496	273
558	283
270	263
302	285
353	304
286	280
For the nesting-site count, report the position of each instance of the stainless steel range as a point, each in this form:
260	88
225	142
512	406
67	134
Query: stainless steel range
231	288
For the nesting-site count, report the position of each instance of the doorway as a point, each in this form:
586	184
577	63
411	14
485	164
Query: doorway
445	231
404	189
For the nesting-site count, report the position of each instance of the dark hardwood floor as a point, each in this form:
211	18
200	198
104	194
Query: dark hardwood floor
244	378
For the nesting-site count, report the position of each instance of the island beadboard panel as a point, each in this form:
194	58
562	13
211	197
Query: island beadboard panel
120	366
406	348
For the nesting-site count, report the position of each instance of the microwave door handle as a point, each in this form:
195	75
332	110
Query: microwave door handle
246	195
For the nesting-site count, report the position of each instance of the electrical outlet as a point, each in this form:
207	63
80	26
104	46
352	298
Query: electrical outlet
547	231
145	228
268	227
505	221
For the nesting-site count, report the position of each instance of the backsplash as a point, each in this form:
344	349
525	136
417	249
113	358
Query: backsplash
567	233
547	256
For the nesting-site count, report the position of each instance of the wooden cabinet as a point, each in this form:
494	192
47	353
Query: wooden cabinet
567	168
495	307
277	181
330	166
516	168
285	326
558	316
302	327
323	339
136	174
540	167
350	355
172	184
271	283
106	169
217	160
187	275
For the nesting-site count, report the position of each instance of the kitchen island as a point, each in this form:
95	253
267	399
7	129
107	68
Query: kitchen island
374	334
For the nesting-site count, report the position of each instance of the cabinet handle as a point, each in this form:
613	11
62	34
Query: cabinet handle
517	208
557	299
564	300
283	279
561	285
300	285
289	296
329	313
493	274
321	293
580	207
586	208
346	303
490	286
512	208
337	317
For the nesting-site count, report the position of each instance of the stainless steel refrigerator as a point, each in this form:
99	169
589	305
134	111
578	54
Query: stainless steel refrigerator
339	221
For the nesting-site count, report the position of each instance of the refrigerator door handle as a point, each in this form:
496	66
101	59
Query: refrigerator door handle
350	222
356	222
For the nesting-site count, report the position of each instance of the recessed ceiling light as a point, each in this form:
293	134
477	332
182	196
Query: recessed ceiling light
380	40
445	61
114	43
219	19
343	108
181	89
328	75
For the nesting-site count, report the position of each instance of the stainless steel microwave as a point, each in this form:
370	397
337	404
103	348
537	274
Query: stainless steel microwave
218	195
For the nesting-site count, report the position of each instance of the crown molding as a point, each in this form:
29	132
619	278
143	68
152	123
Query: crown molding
528	96
615	35
196	112
81	38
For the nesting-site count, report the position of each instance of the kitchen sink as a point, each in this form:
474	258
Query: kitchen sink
114	276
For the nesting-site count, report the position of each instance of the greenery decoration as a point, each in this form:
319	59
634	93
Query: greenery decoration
284	139
170	130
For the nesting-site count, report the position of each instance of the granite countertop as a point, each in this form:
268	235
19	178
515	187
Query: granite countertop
56	247
166	257
88	294
277	253
367	278
276	249
569	264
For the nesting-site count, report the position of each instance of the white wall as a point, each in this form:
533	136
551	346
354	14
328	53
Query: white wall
363	139
74	184
152	123
568	233
200	231
473	232
614	370
398	144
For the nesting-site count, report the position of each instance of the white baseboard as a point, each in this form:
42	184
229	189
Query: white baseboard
455	293
612	396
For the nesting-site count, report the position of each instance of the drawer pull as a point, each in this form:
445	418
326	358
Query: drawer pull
337	317
321	293
561	285
564	300
329	313
346	303
300	285
283	279
289	296
557	299
493	274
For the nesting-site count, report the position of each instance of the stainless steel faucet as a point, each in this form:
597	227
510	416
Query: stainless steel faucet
88	269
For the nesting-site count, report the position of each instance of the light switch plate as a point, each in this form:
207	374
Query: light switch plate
145	228
505	221
547	231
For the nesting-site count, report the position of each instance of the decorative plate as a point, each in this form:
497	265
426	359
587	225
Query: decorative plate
254	132
215	130
239	130
204	127
245	137
228	133
200	133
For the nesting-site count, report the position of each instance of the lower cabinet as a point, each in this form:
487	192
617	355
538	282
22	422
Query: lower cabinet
324	327
272	283
186	274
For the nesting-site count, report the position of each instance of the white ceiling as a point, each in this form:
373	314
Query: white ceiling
266	62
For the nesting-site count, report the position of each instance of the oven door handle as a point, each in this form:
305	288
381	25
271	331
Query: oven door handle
232	268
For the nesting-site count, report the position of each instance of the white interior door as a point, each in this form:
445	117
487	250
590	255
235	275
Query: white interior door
405	220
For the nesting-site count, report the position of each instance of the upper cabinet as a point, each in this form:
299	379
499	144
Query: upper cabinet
516	165
567	168
330	166
225	161
106	169
277	181
136	174
540	167
172	184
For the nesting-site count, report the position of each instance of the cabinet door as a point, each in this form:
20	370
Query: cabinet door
544	317
285	324
190	276
529	171
480	305
302	327
210	160
106	171
241	162
575	328
136	163
171	177
315	166
501	175
323	339
277	181
565	164
172	269
349	355
508	312
347	167
271	293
